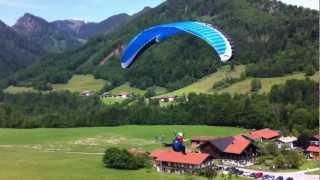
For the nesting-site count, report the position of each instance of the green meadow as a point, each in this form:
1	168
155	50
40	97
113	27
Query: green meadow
76	153
80	83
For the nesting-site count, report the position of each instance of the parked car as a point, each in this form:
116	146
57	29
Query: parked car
246	174
289	178
279	178
258	175
268	177
237	172
252	175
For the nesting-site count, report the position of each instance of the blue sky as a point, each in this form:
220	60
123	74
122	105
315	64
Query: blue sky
89	10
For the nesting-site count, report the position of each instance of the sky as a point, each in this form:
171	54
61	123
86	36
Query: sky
89	10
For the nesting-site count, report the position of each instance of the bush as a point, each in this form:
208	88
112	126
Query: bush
309	70
255	85
122	159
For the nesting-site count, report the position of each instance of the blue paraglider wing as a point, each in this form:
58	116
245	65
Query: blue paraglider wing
159	33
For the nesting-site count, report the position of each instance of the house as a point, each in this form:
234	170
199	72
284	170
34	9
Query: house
123	95
286	142
313	152
315	140
105	94
166	98
263	134
86	93
234	147
198	140
175	162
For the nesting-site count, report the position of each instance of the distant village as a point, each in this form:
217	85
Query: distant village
127	95
233	151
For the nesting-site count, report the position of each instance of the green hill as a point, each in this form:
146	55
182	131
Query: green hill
204	85
244	87
80	83
77	83
270	34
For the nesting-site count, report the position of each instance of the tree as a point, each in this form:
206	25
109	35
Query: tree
309	70
255	85
210	173
294	159
122	159
280	161
150	92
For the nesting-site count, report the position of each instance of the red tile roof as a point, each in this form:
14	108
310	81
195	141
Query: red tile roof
312	148
178	157
238	145
264	134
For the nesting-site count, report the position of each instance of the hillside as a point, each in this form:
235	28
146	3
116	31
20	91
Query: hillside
267	34
85	30
32	37
16	52
241	86
44	34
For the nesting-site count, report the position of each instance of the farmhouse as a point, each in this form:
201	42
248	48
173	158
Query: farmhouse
123	95
86	93
166	98
263	134
174	162
234	147
286	142
313	152
315	140
105	94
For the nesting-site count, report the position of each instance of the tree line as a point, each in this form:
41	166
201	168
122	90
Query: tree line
291	107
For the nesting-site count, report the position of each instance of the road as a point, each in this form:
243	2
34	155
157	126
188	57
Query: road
297	175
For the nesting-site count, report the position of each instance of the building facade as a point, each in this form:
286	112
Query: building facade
175	162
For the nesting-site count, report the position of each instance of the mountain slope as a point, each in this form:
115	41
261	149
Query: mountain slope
266	33
31	37
44	34
15	51
83	30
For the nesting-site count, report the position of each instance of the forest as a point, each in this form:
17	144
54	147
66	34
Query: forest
291	108
269	36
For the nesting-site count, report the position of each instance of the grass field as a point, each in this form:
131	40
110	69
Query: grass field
80	83
205	84
77	83
243	87
47	153
128	89
16	89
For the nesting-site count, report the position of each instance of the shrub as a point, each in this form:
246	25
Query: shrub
122	159
255	85
309	70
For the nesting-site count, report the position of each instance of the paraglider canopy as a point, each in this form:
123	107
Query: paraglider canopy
157	34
